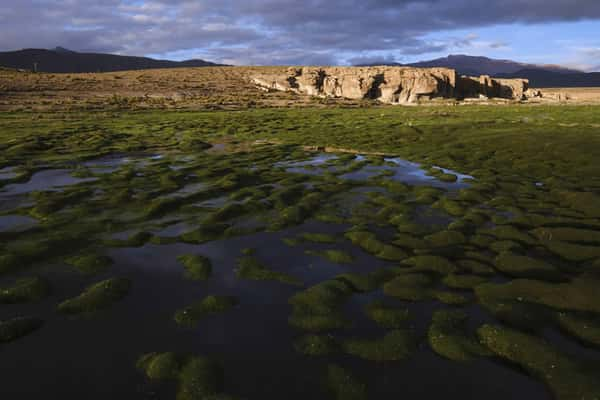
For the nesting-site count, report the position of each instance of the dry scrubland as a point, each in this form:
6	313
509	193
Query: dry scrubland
181	234
212	88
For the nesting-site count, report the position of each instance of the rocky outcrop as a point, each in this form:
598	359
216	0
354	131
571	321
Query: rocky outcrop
392	85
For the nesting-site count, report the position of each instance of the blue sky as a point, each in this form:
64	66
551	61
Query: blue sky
292	32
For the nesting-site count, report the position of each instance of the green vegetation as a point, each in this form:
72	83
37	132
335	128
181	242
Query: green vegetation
387	316
316	345
448	336
335	256
209	305
25	290
395	345
317	308
250	268
15	328
530	215
568	378
197	268
97	296
90	263
197	377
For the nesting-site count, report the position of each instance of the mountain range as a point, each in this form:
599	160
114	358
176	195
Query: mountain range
539	75
61	60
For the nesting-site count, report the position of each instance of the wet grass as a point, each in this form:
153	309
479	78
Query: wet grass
522	240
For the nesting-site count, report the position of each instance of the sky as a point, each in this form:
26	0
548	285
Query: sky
311	32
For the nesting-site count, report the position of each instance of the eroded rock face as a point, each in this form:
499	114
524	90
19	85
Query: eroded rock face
393	85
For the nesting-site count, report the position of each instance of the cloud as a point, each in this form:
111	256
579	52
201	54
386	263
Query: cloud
270	31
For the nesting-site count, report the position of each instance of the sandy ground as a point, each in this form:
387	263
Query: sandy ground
186	88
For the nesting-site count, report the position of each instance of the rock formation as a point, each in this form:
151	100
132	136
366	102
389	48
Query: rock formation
392	85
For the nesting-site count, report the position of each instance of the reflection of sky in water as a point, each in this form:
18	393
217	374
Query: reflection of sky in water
7	173
45	181
403	171
16	222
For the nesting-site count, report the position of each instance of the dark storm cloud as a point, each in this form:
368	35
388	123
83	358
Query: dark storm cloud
267	31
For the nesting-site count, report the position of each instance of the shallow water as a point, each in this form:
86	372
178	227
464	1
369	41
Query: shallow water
16	222
92	358
7	173
47	180
403	171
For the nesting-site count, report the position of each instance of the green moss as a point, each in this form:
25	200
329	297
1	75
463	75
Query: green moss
475	267
408	241
586	236
209	305
25	290
525	267
431	263
318	237
577	295
585	202
568	378
586	328
452	207
250	268
572	251
482	240
137	240
369	242
463	281
387	316
15	328
451	298
317	308
97	296
395	345
316	345
199	379
366	282
446	238
160	366
205	233
90	263
335	256
448	336
510	233
197	267
343	385
503	246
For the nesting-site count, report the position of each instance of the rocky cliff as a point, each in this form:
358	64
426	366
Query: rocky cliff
392	85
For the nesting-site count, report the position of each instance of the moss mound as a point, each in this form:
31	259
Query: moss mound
369	242
90	263
97	296
250	268
568	378
448	336
209	305
197	267
15	328
317	308
525	267
25	290
387	316
316	345
395	345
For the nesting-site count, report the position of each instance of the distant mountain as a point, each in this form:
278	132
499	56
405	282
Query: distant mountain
471	65
539	75
63	60
544	79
